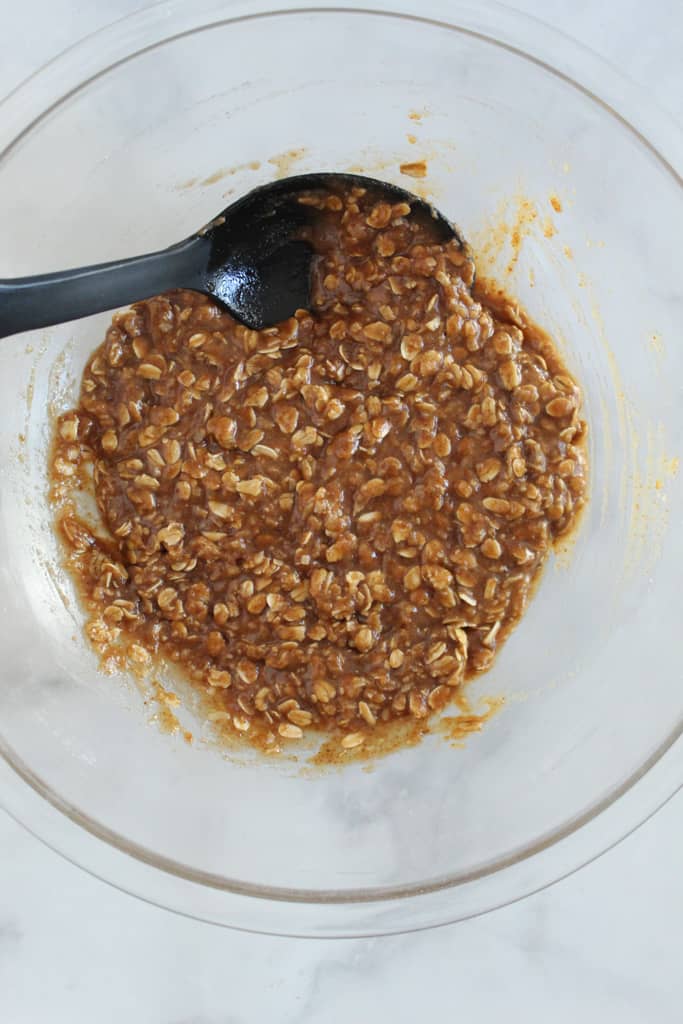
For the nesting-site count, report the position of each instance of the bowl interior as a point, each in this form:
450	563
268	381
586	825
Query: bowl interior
153	147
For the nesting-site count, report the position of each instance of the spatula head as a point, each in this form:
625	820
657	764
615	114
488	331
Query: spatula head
260	268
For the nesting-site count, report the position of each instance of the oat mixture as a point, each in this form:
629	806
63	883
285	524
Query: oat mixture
332	523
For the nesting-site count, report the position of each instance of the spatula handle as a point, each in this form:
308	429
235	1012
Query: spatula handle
27	303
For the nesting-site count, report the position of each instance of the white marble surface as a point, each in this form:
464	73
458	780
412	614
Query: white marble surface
603	946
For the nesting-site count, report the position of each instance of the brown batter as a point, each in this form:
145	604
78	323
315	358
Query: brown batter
328	524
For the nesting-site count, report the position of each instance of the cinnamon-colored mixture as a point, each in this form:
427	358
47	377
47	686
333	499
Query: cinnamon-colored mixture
329	524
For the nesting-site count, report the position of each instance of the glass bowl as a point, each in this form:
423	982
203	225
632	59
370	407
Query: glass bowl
565	180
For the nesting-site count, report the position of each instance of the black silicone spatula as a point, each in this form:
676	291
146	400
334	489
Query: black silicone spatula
250	258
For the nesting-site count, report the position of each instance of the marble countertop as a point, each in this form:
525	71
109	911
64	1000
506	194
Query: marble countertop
602	946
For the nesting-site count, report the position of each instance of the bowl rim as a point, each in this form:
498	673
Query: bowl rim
354	912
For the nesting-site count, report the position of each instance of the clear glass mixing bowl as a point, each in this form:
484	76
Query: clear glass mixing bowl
132	139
